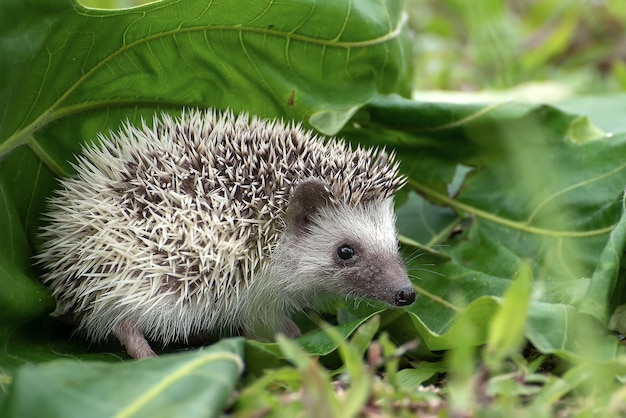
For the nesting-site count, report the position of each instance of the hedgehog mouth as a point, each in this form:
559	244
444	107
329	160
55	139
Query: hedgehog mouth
404	296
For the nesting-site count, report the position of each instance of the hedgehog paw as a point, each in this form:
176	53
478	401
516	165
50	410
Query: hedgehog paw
129	335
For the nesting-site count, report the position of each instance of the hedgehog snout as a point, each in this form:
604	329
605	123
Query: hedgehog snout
405	296
401	292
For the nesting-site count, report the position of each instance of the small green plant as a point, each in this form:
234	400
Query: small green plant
355	389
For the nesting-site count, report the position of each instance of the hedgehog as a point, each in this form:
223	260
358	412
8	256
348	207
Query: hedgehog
214	221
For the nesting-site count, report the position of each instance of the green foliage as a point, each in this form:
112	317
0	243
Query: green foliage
499	44
506	333
513	220
347	392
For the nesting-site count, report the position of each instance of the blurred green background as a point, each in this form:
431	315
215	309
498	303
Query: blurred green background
571	46
544	50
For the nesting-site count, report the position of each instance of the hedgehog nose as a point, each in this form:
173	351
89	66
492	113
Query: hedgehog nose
405	296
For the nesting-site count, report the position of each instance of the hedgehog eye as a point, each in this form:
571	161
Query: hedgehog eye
345	252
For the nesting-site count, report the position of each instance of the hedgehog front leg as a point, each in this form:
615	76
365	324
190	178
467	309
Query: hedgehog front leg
129	335
290	329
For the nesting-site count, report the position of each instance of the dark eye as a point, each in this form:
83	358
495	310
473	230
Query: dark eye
345	252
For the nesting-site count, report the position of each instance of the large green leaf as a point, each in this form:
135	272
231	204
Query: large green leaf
197	383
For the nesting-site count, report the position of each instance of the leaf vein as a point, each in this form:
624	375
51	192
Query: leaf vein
522	226
172	378
23	133
572	187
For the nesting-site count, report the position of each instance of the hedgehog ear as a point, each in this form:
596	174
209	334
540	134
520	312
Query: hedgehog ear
308	197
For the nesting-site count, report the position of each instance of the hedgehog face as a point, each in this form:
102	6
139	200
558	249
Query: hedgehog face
362	273
346	250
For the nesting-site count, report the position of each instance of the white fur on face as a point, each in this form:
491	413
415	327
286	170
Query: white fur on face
371	226
311	264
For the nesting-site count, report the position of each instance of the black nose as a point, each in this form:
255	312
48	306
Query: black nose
405	296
